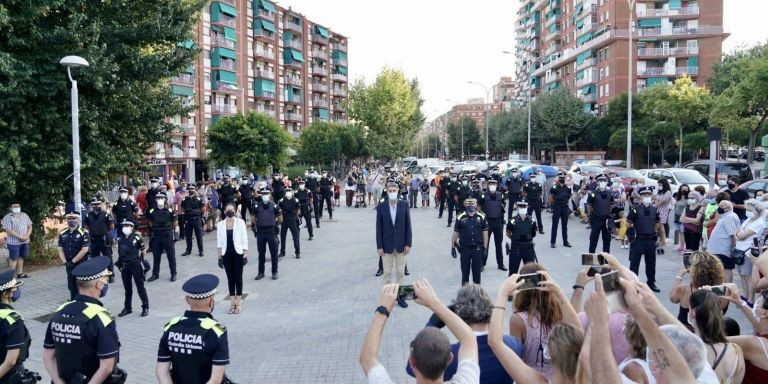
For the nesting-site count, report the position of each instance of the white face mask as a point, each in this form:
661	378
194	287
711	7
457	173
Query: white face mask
124	195
514	174
522	213
646	201
160	203
465	182
301	187
127	231
634	185
602	184
15	210
265	198
154	185
289	195
691	201
492	188
392	195
749	214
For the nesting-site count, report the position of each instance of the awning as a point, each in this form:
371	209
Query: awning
580	58
650	23
265	25
267	6
287	36
190	69
655	80
587	107
337	54
693	61
226	76
227	9
230	33
322	113
225	52
183	91
578	9
675	4
580	74
321	31
580	24
265	85
581	40
296	55
341	70
590	89
189	44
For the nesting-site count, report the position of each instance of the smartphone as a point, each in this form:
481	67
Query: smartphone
530	281
592	259
755	242
718	290
406	292
687	260
593	270
613	293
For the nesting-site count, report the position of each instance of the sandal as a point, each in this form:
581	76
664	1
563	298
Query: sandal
22	276
237	309
232	309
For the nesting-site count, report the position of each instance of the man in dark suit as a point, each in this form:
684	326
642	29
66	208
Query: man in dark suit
393	235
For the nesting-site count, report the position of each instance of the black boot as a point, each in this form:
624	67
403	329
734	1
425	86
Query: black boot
153	278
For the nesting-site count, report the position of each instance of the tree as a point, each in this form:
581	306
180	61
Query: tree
389	108
509	131
251	142
132	48
662	134
562	118
352	137
682	103
471	136
319	144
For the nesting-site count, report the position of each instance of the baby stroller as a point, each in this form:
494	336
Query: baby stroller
360	198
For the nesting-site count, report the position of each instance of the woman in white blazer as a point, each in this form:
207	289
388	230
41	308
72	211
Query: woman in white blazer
232	242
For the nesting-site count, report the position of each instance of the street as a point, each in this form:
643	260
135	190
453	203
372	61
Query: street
308	326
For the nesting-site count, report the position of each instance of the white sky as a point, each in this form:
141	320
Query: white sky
447	43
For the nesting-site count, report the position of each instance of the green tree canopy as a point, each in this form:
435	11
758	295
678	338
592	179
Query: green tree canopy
509	131
251	142
319	143
561	118
472	142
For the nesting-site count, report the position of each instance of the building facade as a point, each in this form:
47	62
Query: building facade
503	93
583	45
255	56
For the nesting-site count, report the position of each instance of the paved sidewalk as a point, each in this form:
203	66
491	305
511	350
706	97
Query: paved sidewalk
308	326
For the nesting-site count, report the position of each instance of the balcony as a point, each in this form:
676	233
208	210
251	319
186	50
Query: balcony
266	110
342	62
552	49
588	97
263	34
264	14
318	70
586	63
341	92
222	41
264	94
291	26
293	81
229	65
556	34
675	51
266	54
294	99
320	39
339	77
587	79
552	20
222	86
318	54
663	71
686	11
691	71
264	74
223	108
294	64
319	87
295	44
187	129
230	2
341	47
552	77
290	116
678	31
339	107
320	103
225	20
183	79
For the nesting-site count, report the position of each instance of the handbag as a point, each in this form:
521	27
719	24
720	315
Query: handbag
738	256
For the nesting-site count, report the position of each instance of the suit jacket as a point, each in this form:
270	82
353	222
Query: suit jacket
393	237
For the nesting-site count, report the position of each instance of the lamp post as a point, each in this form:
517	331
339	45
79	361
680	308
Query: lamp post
631	5
530	92
75	62
461	118
488	103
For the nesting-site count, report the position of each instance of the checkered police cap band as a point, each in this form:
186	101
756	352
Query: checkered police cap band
93	277
8	285
203	295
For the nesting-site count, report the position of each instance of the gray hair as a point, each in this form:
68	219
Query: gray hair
473	305
758	205
689	345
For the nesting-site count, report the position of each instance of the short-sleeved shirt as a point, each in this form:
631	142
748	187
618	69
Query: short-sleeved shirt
720	239
19	223
193	343
468	372
72	241
13	333
739	197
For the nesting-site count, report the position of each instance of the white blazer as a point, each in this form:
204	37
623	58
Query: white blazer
239	236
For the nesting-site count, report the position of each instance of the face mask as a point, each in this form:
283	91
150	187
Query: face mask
72	223
392	195
691	201
226	182
289	195
492	188
325	175
96	209
523	213
464	182
243	182
277	177
711	200
602	184
154	185
16	295
265	199
720	211
514	174
301	187
124	195
230	213
160	203
470	208
562	180
16	210
532	180
749	214
731	185
646	201
127	231
634	185
104	290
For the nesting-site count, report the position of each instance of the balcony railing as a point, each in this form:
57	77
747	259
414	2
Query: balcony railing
187	128
338	77
668	51
320	103
339	92
320	54
265	74
291	26
266	111
317	70
553	34
342	62
265	14
226	64
183	78
230	2
294	64
679	31
222	42
341	47
296	99
552	20
265	53
693	71
588	97
293	81
587	79
319	87
663	71
226	20
553	48
294	116
264	34
686	11
264	94
295	44
552	77
586	63
318	38
338	107
224	86
223	108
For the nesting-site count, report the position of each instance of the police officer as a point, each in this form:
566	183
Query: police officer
313	186
265	216
290	207
192	205
644	219
100	225
599	204
124	208
74	243
493	208
15	335
532	194
81	343
278	187
471	230
326	193
154	189
477	193
162	223
246	193
559	197
521	230
226	194
514	189
130	254
305	206
445	184
495	175
450	196
460	194
194	347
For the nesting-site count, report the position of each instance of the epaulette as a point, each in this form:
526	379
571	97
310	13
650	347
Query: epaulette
63	231
82	230
381	200
512	222
592	194
481	214
208	323
151	210
461	216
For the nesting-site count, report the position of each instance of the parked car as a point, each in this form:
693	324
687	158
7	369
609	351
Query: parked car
616	163
752	186
759	156
549	171
723	170
626	175
677	177
580	173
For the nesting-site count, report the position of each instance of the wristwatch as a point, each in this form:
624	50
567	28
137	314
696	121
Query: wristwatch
383	310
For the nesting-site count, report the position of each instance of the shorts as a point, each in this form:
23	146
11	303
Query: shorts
746	268
728	262
18	250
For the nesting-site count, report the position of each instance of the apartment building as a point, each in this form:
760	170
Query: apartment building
583	45
503	92
255	56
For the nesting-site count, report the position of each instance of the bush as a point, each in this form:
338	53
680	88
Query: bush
297	170
42	251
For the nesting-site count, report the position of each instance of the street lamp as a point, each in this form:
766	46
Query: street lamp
529	116
75	62
631	5
461	118
487	102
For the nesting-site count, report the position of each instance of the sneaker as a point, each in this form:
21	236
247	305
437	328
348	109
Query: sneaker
259	276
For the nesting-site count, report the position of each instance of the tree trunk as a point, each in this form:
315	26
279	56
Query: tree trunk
751	148
567	145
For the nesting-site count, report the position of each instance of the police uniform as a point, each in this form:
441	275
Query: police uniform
162	222
471	230
13	333
521	230
152	194
313	186
514	189
326	193
72	241
226	194
100	225
82	331
246	193
532	191
278	188
560	196
644	220
305	203
601	202
290	208
130	253
193	343
265	218
461	193
445	183
493	207
193	215
124	209
477	193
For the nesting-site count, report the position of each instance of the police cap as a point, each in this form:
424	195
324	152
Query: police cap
95	201
127	223
201	286
301	182
265	191
289	189
470	201
92	269
72	215
192	187
123	189
601	177
464	178
561	173
311	169
532	175
161	196
8	280
154	180
492	181
522	204
646	190
226	177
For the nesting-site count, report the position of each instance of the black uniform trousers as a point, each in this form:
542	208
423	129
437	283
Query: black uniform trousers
134	271
99	247
599	225
644	246
266	236
163	242
182	224
245	206
71	282
537	210
315	207
325	198
307	216
520	251
513	199
193	223
560	214
451	207
496	229
471	260
442	204
293	226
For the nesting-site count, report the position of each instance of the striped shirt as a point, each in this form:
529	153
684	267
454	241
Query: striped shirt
721	240
19	224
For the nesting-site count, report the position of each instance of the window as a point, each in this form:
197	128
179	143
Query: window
607	92
601	74
207	99
607	15
607	70
600	91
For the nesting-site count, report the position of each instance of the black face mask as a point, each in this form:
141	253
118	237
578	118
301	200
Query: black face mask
731	185
720	211
562	180
96	209
230	213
